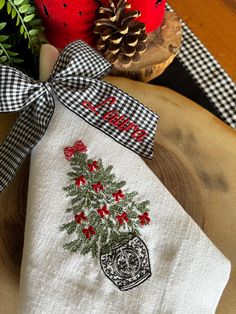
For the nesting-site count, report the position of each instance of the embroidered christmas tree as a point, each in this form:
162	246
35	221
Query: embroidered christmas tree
103	214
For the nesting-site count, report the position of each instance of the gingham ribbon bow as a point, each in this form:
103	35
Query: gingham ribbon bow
76	83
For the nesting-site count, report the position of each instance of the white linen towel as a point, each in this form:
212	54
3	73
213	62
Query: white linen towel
188	273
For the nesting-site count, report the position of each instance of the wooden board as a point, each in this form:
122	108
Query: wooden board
214	23
12	217
195	158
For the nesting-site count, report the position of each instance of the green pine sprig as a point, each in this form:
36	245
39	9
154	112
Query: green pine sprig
7	56
27	25
109	232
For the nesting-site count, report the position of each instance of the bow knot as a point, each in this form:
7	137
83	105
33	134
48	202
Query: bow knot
79	217
76	78
117	195
80	180
103	211
93	166
88	232
78	147
48	86
122	218
97	187
144	219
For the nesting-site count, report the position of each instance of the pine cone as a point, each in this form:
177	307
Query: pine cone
122	38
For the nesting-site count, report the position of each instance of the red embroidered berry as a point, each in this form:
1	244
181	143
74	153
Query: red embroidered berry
79	217
144	219
80	180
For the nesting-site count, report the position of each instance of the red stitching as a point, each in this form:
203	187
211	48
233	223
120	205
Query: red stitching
103	211
117	195
108	222
78	147
113	117
88	232
87	104
79	217
139	135
144	219
97	187
124	128
122	218
80	180
93	166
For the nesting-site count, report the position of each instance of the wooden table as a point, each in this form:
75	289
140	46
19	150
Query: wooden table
214	23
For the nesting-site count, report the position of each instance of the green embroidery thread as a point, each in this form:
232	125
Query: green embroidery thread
103	214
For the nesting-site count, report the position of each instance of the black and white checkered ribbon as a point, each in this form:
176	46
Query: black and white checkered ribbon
76	78
208	74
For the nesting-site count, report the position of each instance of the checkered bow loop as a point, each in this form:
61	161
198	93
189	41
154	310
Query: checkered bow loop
76	78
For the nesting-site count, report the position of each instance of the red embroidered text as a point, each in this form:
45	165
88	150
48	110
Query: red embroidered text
113	117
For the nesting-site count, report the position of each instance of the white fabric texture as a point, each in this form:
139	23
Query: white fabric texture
188	272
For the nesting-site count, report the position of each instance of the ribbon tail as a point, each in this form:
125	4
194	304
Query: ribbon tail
25	134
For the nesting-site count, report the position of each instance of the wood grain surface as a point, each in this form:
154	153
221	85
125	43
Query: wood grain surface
214	23
231	4
12	218
195	157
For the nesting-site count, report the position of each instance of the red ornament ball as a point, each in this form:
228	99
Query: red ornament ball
68	20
